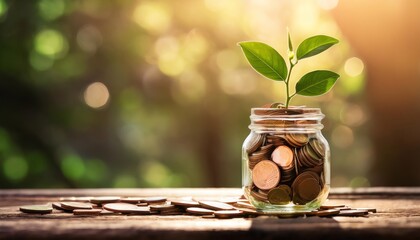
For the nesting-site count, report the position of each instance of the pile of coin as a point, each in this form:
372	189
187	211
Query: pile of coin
222	208
285	167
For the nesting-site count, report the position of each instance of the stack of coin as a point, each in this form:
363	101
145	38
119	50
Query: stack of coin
276	140
254	142
262	154
297	140
167	209
259	195
128	208
283	157
306	187
310	155
280	195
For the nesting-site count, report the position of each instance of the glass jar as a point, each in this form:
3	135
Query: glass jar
286	160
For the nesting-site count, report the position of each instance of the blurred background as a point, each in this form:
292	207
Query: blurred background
157	93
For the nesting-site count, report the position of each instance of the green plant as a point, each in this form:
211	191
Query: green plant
269	63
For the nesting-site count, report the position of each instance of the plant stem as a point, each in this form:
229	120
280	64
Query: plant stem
287	84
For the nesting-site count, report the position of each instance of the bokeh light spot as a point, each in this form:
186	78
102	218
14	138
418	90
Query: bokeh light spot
155	174
96	95
51	9
51	43
354	66
237	82
72	167
3	8
342	136
152	16
15	168
173	66
167	47
195	46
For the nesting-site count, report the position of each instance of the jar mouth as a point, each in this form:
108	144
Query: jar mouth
291	112
292	119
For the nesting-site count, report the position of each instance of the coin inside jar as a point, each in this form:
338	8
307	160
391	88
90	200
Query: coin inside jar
266	175
282	156
280	195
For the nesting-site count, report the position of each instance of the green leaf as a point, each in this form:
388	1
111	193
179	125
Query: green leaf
314	45
265	60
316	83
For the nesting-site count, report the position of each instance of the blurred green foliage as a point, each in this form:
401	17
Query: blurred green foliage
155	93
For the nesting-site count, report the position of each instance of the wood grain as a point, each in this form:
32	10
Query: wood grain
398	216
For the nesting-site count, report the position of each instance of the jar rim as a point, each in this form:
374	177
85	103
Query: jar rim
291	112
292	118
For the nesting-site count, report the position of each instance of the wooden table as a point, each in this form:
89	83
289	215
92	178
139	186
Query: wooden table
398	217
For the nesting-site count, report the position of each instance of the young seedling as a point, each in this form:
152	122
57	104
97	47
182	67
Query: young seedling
269	63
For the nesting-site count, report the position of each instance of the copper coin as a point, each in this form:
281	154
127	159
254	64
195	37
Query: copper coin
57	205
244	205
134	200
353	213
254	142
282	156
215	205
228	213
162	207
266	175
327	213
325	207
87	212
126	208
372	210
70	206
36	209
309	189
259	196
185	203
199	211
154	199
280	195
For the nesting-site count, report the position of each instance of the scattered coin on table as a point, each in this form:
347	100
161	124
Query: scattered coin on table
87	212
225	207
36	209
134	200
184	203
126	208
70	206
216	205
199	211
